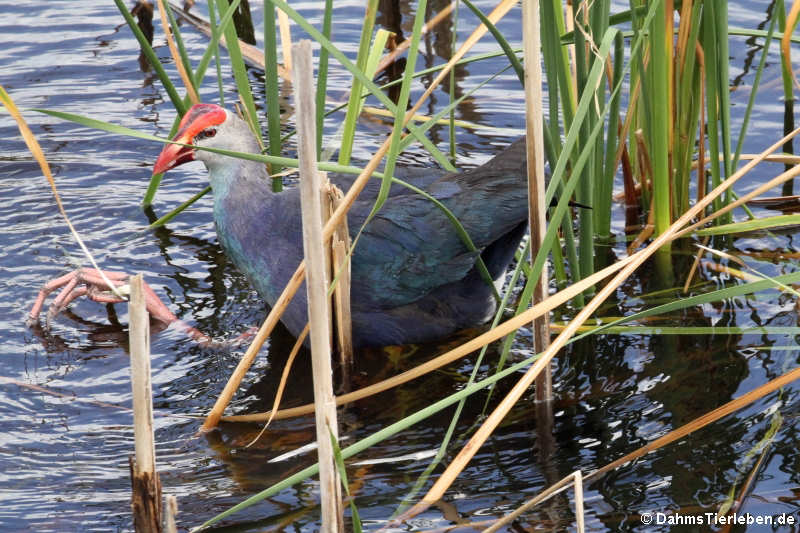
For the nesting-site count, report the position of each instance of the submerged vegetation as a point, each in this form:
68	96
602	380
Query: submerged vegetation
638	112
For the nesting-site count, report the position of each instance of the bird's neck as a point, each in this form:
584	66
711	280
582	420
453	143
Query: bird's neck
237	176
242	193
243	206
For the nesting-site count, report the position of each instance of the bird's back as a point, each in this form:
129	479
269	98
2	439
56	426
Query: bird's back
413	278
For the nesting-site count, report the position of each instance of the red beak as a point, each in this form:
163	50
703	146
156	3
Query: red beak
196	119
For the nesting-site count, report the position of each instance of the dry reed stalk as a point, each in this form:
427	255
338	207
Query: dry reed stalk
340	260
537	210
286	40
579	507
176	58
786	159
733	272
146	493
282	384
358	185
139	326
695	263
316	286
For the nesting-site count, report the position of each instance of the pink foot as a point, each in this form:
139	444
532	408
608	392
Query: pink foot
88	282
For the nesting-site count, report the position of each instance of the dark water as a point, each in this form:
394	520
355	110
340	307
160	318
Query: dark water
65	428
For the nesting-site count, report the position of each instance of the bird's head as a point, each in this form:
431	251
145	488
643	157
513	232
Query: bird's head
206	125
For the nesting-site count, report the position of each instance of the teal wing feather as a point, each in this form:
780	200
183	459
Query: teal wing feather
411	248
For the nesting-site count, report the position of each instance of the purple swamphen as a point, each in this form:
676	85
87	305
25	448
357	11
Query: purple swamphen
413	279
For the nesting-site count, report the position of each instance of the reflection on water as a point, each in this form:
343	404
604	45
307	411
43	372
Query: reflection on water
64	425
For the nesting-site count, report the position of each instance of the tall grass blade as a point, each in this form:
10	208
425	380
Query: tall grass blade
212	19
337	455
322	74
355	102
240	74
501	40
754	91
368	84
272	94
151	56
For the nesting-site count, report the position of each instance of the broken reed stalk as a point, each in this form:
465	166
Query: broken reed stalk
537	210
170	512
673	232
316	286
358	185
146	496
340	273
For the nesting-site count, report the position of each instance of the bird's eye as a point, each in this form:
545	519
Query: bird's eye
206	133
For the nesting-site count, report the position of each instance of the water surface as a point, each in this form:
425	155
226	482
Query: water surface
65	427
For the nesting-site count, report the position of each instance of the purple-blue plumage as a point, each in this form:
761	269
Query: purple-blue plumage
413	279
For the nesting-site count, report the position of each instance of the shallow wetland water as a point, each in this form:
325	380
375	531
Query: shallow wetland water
65	427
